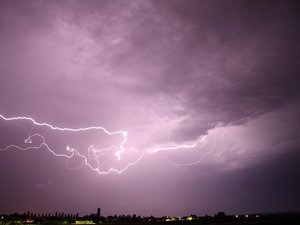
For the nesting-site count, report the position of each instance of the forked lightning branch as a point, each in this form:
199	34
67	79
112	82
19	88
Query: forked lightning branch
94	154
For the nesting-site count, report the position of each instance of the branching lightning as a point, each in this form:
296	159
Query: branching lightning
95	154
71	150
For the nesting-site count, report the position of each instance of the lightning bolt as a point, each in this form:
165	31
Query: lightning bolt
73	151
96	155
175	147
196	162
170	148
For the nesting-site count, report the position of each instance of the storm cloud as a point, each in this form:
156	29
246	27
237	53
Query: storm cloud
167	72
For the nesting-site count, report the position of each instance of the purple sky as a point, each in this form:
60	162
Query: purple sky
223	75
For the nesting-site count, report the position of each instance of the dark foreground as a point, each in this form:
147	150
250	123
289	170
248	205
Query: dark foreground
218	219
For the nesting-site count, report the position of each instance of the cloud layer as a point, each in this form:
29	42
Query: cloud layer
165	71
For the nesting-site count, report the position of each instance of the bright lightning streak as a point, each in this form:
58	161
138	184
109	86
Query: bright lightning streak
182	146
173	148
118	153
95	154
72	151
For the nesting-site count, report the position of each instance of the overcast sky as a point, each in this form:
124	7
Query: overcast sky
221	76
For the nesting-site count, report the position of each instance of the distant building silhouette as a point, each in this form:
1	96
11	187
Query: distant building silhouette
98	212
